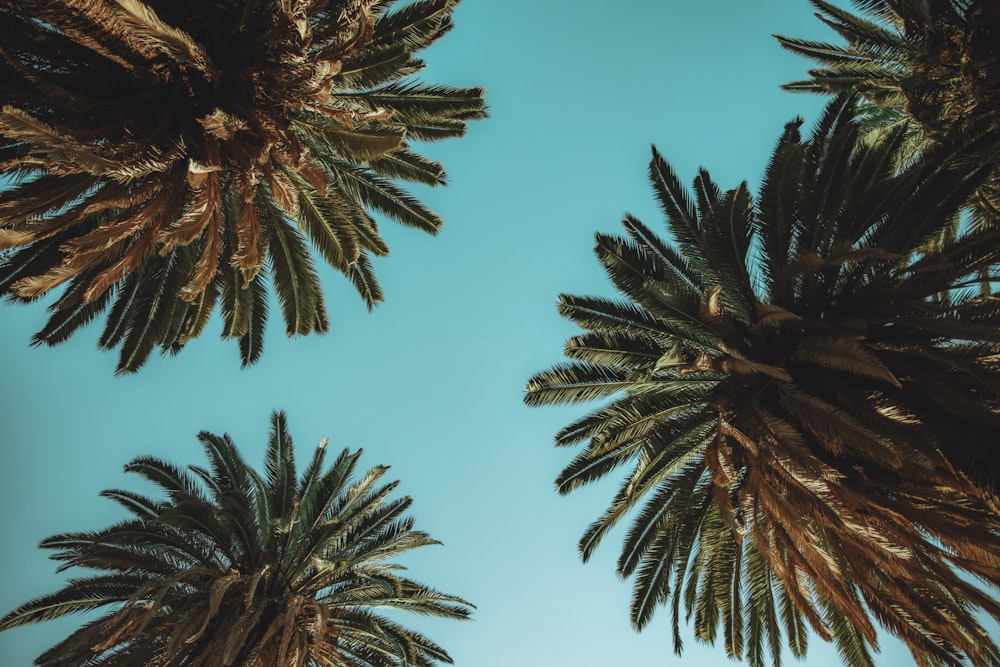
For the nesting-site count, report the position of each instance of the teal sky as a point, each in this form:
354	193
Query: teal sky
431	383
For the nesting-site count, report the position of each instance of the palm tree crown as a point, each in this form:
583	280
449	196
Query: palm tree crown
931	67
240	568
174	155
807	423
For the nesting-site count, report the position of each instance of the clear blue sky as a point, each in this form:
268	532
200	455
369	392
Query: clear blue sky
431	383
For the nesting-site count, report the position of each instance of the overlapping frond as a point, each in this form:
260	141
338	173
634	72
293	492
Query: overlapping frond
235	567
165	154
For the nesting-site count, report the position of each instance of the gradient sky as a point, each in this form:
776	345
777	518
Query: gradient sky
431	383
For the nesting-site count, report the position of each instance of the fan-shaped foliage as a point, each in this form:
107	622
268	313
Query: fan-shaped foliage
806	426
172	156
237	567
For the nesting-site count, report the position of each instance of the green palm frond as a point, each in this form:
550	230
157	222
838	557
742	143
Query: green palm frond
295	279
409	166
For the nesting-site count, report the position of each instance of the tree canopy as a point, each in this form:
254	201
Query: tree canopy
235	567
174	157
805	406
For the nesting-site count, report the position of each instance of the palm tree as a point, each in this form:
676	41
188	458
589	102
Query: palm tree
171	156
805	406
930	67
240	568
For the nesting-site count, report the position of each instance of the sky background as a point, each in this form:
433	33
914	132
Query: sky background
431	383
